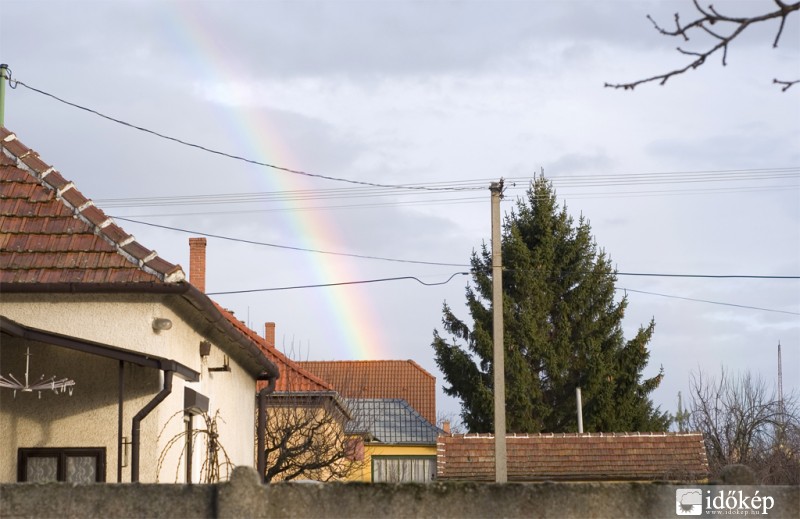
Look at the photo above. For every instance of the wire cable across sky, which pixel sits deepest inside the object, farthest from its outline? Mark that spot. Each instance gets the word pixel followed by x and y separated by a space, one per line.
pixel 13 83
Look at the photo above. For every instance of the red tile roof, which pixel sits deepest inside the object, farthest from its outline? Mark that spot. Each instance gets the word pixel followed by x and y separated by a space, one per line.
pixel 293 377
pixel 51 233
pixel 403 379
pixel 52 238
pixel 576 457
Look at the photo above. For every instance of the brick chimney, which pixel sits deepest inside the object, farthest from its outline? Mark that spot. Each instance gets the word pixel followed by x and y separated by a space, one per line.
pixel 446 427
pixel 269 334
pixel 197 263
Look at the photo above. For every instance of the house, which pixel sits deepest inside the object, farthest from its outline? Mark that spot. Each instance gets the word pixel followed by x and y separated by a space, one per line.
pixel 576 457
pixel 393 404
pixel 131 353
pixel 304 416
pixel 399 444
pixel 380 379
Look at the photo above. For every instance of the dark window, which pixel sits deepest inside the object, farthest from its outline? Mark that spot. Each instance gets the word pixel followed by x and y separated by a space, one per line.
pixel 420 469
pixel 79 465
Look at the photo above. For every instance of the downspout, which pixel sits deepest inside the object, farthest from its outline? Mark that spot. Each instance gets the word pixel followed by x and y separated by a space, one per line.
pixel 262 422
pixel 120 409
pixel 137 420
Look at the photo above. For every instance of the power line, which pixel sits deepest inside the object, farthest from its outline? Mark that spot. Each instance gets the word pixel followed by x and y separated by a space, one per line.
pixel 413 278
pixel 567 181
pixel 707 301
pixel 438 263
pixel 559 182
pixel 323 285
pixel 438 202
pixel 16 82
pixel 289 247
pixel 704 276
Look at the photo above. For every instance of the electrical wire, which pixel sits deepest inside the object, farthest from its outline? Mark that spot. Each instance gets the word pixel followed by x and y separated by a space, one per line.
pixel 584 181
pixel 513 184
pixel 233 156
pixel 436 263
pixel 594 181
pixel 289 247
pixel 707 301
pixel 343 283
pixel 402 278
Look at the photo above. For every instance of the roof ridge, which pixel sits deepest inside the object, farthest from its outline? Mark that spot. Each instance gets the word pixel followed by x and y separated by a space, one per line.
pixel 374 361
pixel 84 209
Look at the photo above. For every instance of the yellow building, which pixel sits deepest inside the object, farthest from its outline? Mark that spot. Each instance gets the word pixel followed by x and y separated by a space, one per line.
pixel 399 444
pixel 393 408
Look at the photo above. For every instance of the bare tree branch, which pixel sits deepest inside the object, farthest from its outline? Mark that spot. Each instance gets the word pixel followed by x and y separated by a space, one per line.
pixel 743 422
pixel 786 84
pixel 708 17
pixel 306 439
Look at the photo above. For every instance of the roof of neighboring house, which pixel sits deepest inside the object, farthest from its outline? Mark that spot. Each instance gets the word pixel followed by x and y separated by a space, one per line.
pixel 51 233
pixel 403 379
pixel 293 377
pixel 390 421
pixel 54 240
pixel 576 457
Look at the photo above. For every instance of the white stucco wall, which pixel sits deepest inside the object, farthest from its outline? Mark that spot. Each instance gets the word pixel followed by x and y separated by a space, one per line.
pixel 90 415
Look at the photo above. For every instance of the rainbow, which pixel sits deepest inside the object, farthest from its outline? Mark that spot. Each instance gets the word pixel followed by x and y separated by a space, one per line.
pixel 355 329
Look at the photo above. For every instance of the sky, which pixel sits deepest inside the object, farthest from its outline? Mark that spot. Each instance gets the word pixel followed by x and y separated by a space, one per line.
pixel 699 176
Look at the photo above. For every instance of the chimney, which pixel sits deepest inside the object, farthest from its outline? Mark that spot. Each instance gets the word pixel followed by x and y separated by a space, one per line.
pixel 446 427
pixel 197 263
pixel 269 334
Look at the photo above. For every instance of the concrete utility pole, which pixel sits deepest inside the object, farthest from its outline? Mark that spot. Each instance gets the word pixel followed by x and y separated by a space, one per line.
pixel 3 77
pixel 499 363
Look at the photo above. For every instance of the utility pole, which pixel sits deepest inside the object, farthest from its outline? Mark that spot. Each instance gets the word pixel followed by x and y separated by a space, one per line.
pixel 3 78
pixel 499 363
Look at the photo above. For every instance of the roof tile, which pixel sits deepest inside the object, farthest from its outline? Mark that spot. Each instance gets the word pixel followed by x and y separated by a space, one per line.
pixel 390 421
pixel 137 250
pixel 293 377
pixel 45 239
pixel 33 161
pixel 55 180
pixel 393 379
pixel 621 456
pixel 74 197
pixel 16 148
pixel 94 215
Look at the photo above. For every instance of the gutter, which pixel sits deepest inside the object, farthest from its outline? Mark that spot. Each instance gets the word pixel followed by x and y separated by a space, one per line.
pixel 261 431
pixel 183 289
pixel 137 420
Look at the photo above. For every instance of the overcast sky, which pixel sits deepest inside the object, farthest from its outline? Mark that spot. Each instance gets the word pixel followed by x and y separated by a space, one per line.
pixel 402 92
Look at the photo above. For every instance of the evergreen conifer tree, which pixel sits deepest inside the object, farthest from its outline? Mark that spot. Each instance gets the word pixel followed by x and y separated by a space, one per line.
pixel 563 329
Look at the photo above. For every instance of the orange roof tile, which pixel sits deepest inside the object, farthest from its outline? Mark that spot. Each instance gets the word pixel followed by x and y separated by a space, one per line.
pixel 404 379
pixel 51 233
pixel 293 377
pixel 576 457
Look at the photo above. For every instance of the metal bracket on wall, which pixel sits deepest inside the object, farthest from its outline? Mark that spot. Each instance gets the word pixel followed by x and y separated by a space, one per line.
pixel 225 366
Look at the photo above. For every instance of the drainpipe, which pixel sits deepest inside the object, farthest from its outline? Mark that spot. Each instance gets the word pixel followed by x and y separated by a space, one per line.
pixel 262 422
pixel 120 409
pixel 137 420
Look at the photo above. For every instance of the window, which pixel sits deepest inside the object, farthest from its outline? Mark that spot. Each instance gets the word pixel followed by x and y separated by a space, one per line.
pixel 393 469
pixel 80 465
